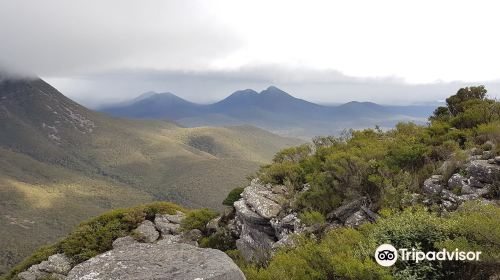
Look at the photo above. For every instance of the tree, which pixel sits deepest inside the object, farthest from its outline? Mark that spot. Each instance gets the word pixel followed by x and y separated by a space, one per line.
pixel 455 102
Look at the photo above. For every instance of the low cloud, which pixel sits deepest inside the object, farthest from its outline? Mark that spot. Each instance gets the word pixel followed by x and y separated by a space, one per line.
pixel 327 86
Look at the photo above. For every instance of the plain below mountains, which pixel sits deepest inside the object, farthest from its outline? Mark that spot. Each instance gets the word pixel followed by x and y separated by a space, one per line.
pixel 61 163
pixel 271 109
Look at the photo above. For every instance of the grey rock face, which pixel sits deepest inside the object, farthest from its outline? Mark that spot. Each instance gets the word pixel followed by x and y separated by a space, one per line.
pixel 262 200
pixel 347 210
pixel 158 261
pixel 253 244
pixel 166 226
pixel 33 273
pixel 58 263
pixel 57 266
pixel 483 171
pixel 123 241
pixel 356 219
pixel 456 181
pixel 247 215
pixel 148 231
pixel 176 219
pixel 433 185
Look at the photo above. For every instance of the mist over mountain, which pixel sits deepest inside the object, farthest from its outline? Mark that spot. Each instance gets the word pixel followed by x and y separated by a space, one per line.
pixel 272 109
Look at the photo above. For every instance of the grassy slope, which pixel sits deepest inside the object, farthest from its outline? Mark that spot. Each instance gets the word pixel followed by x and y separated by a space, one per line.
pixel 48 186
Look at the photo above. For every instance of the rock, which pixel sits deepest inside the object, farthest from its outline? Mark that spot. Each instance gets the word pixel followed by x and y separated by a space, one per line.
pixel 456 181
pixel 254 245
pixel 433 186
pixel 347 210
pixel 449 206
pixel 287 225
pixel 123 241
pixel 477 191
pixel 372 216
pixel 467 197
pixel 33 273
pixel 286 241
pixel 356 219
pixel 55 276
pixel 158 261
pixel 213 225
pixel 263 201
pixel 247 215
pixel 59 264
pixel 448 195
pixel 487 155
pixel 176 219
pixel 491 161
pixel 165 226
pixel 483 171
pixel 192 235
pixel 147 231
pixel 475 183
pixel 497 159
pixel 170 239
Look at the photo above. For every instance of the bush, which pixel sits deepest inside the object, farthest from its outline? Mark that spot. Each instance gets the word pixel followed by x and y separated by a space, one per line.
pixel 233 196
pixel 337 256
pixel 221 240
pixel 198 219
pixel 96 235
pixel 312 218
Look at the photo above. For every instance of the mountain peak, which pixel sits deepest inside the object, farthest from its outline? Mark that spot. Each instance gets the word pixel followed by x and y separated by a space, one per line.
pixel 272 90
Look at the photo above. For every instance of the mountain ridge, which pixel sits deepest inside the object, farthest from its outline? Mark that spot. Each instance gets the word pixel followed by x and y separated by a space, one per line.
pixel 61 163
pixel 276 110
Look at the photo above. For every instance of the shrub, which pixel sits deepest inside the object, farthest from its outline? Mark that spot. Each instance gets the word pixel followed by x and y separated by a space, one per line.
pixel 337 256
pixel 198 219
pixel 312 218
pixel 96 235
pixel 233 196
pixel 221 240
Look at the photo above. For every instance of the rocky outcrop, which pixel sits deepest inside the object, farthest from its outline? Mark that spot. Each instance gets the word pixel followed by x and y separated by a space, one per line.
pixel 158 261
pixel 147 231
pixel 56 267
pixel 158 251
pixel 267 223
pixel 477 182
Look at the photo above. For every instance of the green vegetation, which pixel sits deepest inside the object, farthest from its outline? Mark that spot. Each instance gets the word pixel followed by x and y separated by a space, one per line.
pixel 310 218
pixel 387 166
pixel 348 253
pixel 48 186
pixel 233 196
pixel 198 219
pixel 96 235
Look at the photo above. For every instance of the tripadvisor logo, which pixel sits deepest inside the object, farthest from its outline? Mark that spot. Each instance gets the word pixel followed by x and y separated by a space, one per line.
pixel 387 255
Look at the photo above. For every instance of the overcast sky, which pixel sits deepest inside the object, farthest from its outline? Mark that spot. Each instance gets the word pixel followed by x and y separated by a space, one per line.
pixel 399 52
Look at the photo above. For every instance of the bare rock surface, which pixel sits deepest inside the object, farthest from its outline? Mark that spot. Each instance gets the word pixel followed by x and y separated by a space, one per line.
pixel 158 261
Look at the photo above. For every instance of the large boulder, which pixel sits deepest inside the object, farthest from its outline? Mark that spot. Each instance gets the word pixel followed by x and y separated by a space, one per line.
pixel 56 267
pixel 347 210
pixel 483 171
pixel 433 185
pixel 262 200
pixel 158 261
pixel 147 231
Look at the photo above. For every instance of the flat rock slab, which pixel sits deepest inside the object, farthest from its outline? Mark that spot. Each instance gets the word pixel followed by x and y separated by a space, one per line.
pixel 159 262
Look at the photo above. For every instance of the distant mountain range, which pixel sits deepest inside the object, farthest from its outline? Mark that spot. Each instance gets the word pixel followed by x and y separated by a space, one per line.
pixel 61 163
pixel 271 109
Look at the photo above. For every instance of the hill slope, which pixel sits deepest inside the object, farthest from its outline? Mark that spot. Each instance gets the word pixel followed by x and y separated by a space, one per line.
pixel 274 110
pixel 61 163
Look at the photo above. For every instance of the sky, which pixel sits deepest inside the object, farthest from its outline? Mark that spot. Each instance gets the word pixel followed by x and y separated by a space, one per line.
pixel 391 52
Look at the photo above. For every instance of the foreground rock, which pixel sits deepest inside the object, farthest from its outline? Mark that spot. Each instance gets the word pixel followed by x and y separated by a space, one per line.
pixel 158 261
pixel 56 267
